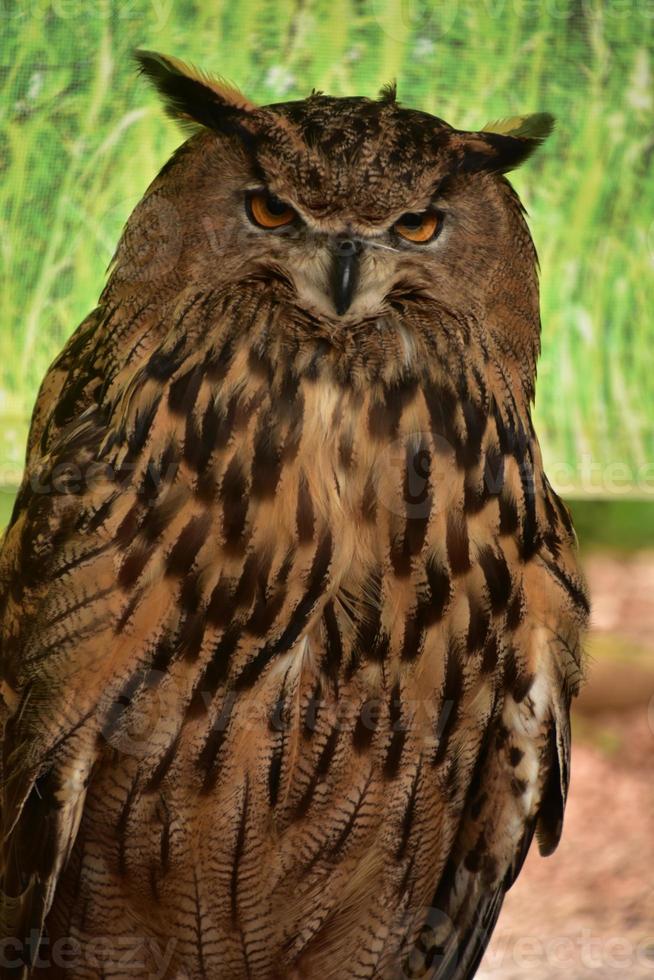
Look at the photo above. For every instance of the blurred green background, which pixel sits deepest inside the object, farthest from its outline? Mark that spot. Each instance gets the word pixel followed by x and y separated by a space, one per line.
pixel 81 136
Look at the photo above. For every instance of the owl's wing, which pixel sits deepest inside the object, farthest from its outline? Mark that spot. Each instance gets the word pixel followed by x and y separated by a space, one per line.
pixel 38 830
pixel 518 786
pixel 69 387
pixel 474 883
pixel 99 585
pixel 58 600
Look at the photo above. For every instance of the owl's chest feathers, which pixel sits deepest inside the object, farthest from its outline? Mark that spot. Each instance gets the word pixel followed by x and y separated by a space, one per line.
pixel 350 473
pixel 295 481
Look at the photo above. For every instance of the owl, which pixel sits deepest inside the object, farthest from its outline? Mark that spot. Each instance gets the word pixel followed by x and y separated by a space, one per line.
pixel 291 616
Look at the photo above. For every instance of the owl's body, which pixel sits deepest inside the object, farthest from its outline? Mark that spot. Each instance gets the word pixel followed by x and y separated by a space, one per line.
pixel 291 633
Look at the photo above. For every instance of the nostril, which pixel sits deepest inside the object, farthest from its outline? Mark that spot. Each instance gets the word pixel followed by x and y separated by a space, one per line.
pixel 346 247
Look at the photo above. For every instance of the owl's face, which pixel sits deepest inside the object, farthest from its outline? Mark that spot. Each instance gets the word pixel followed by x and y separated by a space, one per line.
pixel 349 204
pixel 350 260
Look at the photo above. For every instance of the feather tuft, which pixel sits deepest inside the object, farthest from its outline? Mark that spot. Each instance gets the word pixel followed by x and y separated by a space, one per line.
pixel 193 95
pixel 536 126
pixel 388 93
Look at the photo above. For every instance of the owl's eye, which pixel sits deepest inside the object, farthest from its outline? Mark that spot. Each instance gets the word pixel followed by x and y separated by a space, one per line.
pixel 419 228
pixel 268 211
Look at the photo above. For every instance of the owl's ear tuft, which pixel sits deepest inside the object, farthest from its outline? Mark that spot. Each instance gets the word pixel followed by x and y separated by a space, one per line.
pixel 195 97
pixel 537 126
pixel 503 145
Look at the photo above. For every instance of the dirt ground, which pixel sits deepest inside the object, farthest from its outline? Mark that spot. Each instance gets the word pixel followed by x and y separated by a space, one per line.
pixel 588 910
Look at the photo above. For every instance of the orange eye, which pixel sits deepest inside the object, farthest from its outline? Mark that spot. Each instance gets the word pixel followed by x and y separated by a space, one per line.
pixel 267 211
pixel 419 228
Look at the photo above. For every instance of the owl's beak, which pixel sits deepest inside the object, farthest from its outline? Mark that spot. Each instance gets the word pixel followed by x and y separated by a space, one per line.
pixel 344 273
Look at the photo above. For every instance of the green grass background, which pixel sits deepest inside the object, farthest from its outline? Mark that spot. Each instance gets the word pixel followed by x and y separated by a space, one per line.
pixel 81 136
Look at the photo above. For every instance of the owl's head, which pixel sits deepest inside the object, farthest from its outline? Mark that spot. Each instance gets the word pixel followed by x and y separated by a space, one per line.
pixel 352 202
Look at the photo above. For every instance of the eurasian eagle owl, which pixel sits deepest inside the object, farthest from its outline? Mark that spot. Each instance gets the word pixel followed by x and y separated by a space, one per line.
pixel 291 614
